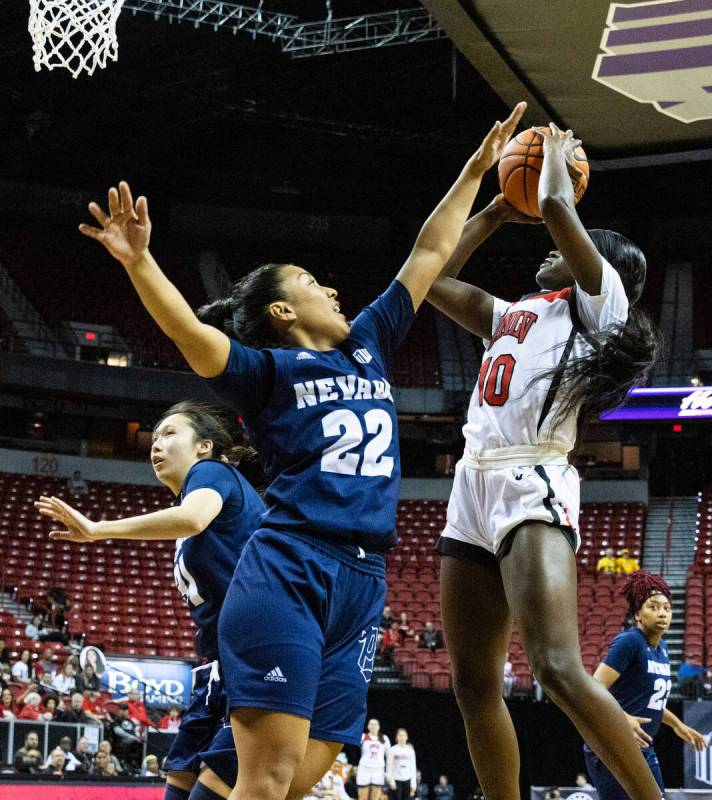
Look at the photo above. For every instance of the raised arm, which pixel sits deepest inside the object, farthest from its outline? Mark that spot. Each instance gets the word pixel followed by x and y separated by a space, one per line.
pixel 125 232
pixel 556 201
pixel 470 306
pixel 441 232
pixel 190 518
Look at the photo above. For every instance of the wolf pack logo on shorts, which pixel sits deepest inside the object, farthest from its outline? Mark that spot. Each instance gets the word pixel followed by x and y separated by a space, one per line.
pixel 660 52
pixel 362 356
pixel 368 642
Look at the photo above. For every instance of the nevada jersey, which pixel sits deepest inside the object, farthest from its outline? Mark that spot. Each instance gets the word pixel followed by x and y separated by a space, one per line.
pixel 529 338
pixel 203 564
pixel 325 426
pixel 644 684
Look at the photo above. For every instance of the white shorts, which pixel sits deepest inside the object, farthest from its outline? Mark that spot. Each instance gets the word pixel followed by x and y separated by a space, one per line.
pixel 488 504
pixel 370 776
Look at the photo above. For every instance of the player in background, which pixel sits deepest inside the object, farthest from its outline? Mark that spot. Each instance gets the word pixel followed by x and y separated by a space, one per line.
pixel 405 770
pixel 636 671
pixel 216 510
pixel 375 766
pixel 299 626
pixel 552 359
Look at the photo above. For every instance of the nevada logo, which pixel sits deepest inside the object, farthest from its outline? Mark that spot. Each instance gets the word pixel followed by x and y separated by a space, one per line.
pixel 660 52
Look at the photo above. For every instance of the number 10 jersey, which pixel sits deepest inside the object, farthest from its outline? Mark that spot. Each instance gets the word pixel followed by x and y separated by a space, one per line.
pixel 537 334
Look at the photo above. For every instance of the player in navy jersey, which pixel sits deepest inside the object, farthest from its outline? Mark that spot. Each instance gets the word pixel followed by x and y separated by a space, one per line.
pixel 636 670
pixel 216 511
pixel 552 359
pixel 299 627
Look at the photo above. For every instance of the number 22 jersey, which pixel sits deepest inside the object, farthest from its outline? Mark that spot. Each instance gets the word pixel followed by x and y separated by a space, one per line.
pixel 645 683
pixel 324 423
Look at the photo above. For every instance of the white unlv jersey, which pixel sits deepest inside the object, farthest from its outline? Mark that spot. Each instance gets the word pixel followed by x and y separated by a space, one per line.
pixel 530 337
pixel 373 751
pixel 404 768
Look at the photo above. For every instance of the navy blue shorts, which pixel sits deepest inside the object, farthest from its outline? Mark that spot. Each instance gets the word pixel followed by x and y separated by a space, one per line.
pixel 298 631
pixel 606 785
pixel 200 722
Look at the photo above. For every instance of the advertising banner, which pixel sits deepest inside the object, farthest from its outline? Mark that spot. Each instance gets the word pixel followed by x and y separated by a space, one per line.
pixel 165 681
pixel 698 766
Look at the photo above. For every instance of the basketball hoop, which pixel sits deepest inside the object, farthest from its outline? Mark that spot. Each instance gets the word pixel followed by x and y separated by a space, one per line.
pixel 78 35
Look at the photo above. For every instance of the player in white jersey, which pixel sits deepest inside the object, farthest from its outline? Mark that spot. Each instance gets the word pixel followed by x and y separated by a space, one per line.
pixel 375 767
pixel 551 359
pixel 404 768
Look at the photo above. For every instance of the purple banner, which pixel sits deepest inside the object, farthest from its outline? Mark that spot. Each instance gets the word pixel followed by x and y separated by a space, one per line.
pixel 683 402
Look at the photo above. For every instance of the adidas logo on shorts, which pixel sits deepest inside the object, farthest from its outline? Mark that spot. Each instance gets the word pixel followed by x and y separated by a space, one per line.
pixel 301 356
pixel 276 674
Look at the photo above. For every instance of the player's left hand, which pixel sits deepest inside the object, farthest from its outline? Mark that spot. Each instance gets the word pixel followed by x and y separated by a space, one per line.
pixel 79 529
pixel 488 153
pixel 694 738
pixel 508 213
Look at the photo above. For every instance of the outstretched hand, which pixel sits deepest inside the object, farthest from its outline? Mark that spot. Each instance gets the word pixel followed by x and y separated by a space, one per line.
pixel 126 230
pixel 493 144
pixel 78 528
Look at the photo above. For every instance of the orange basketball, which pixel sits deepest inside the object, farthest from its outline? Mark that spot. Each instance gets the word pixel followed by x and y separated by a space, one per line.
pixel 520 167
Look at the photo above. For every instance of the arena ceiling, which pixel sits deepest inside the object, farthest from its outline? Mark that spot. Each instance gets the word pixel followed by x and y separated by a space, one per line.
pixel 631 78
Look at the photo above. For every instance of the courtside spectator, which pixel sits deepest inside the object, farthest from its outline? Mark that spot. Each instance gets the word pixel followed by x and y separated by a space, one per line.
pixel 52 705
pixel 422 791
pixel 171 721
pixel 34 628
pixel 94 706
pixel 404 626
pixel 443 790
pixel 28 758
pixel 71 762
pixel 44 684
pixel 21 668
pixel 82 756
pixel 31 708
pixel 57 762
pixel 76 485
pixel 510 678
pixel 137 709
pixel 391 639
pixel 102 766
pixel 75 713
pixel 150 768
pixel 44 663
pixel 607 565
pixel 127 735
pixel 430 637
pixel 582 782
pixel 87 679
pixel 386 618
pixel 105 747
pixel 57 605
pixel 625 563
pixel 691 679
pixel 4 652
pixel 65 682
pixel 8 707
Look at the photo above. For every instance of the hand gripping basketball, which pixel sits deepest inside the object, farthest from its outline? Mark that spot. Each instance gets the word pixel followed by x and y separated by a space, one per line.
pixel 521 162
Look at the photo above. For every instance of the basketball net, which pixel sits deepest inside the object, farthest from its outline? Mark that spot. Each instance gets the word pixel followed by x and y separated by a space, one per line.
pixel 78 35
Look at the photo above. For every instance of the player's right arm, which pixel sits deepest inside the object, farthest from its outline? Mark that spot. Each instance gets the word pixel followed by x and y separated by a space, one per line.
pixel 468 305
pixel 125 232
pixel 608 676
pixel 191 517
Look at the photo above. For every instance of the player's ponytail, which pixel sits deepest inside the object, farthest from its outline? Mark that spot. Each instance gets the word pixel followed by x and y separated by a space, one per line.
pixel 622 355
pixel 245 313
pixel 210 422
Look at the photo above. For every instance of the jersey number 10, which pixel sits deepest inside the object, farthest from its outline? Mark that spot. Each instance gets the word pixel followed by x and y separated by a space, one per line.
pixel 494 379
